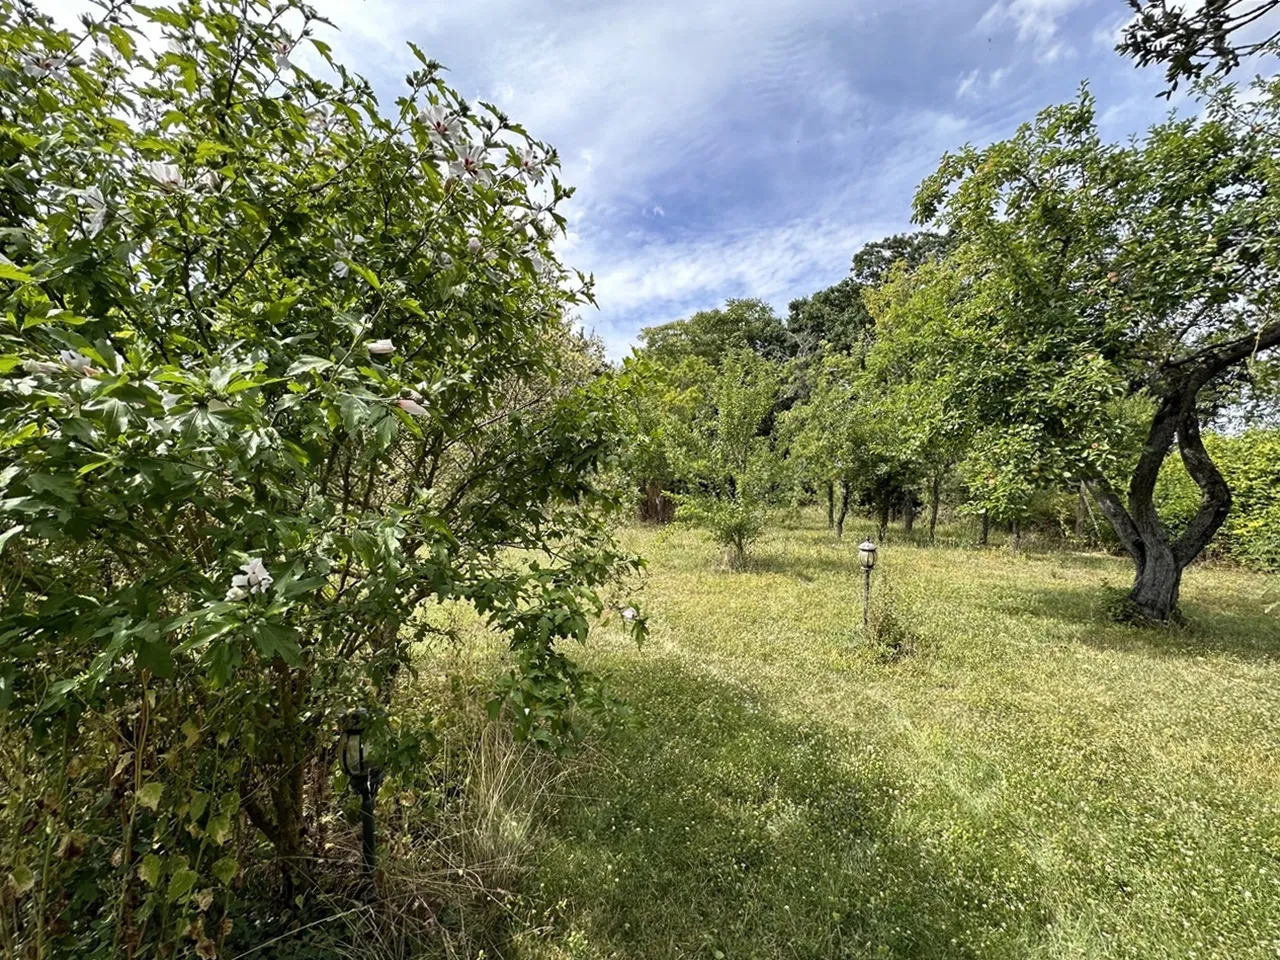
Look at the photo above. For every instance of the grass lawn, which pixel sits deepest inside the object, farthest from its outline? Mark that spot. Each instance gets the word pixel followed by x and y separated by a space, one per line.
pixel 1030 780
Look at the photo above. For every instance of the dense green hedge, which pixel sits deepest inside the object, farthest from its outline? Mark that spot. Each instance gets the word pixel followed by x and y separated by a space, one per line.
pixel 1250 462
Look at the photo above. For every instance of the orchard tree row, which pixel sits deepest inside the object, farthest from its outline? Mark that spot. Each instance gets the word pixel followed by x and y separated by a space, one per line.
pixel 1081 326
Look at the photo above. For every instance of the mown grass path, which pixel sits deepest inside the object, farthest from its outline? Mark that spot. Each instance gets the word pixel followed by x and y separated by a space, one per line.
pixel 1030 781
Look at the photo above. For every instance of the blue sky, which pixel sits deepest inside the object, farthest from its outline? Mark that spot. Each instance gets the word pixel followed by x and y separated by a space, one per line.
pixel 746 148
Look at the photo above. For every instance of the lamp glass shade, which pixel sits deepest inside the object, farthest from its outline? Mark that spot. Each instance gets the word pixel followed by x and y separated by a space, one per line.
pixel 353 754
pixel 867 554
pixel 351 746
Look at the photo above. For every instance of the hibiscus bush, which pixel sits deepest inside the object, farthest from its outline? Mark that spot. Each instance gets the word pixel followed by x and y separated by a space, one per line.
pixel 277 367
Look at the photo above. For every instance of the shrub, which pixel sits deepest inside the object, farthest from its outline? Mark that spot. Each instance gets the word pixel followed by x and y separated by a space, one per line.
pixel 274 370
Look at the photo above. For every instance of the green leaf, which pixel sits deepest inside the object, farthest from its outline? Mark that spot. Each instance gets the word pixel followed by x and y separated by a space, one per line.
pixel 11 271
pixel 370 277
pixel 149 795
pixel 149 869
pixel 220 829
pixel 276 640
pixel 22 878
pixel 155 655
pixel 225 869
pixel 181 883
pixel 307 364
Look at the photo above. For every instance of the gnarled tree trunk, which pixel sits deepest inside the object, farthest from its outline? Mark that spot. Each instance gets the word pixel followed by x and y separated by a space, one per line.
pixel 831 505
pixel 910 507
pixel 1158 562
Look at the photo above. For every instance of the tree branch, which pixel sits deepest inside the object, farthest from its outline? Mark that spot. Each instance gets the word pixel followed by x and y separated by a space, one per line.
pixel 1215 502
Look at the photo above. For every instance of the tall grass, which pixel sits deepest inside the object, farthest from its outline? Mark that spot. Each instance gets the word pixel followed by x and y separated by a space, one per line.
pixel 997 770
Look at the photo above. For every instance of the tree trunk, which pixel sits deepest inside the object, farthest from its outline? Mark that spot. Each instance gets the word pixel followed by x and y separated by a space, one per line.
pixel 831 505
pixel 1081 506
pixel 1155 585
pixel 909 510
pixel 1158 564
pixel 986 528
pixel 1016 529
pixel 844 508
pixel 883 510
pixel 656 507
pixel 935 497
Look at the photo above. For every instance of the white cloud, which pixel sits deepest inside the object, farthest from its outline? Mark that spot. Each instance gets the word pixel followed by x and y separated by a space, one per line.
pixel 1037 24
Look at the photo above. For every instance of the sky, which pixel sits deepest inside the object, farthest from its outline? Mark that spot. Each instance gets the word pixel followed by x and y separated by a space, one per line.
pixel 747 148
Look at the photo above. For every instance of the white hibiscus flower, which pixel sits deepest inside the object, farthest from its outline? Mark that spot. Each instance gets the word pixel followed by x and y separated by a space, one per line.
pixel 530 165
pixel 254 578
pixel 96 207
pixel 470 164
pixel 444 128
pixel 39 66
pixel 167 176
pixel 412 407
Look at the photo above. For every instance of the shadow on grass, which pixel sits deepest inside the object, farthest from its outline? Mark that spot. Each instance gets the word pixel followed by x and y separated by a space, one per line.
pixel 1243 630
pixel 718 828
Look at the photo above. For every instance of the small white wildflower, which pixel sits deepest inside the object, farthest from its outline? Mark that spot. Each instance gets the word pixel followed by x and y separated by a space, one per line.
pixel 629 614
pixel 442 126
pixel 37 66
pixel 236 593
pixel 470 163
pixel 282 51
pixel 412 407
pixel 340 269
pixel 96 205
pixel 167 176
pixel 380 348
pixel 473 245
pixel 254 578
pixel 42 366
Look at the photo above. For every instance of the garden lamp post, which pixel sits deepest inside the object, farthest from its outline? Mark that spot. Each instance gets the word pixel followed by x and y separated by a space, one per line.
pixel 364 779
pixel 866 557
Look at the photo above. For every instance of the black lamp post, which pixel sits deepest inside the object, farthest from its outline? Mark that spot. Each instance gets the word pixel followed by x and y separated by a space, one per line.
pixel 866 557
pixel 364 779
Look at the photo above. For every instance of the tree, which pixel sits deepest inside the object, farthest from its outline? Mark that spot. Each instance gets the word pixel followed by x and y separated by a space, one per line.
pixel 1100 286
pixel 834 316
pixel 728 463
pixel 872 264
pixel 1191 39
pixel 275 369
pixel 714 334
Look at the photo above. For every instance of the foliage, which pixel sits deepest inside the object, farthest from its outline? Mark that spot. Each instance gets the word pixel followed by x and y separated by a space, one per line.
pixel 713 335
pixel 834 316
pixel 277 369
pixel 1251 464
pixel 1190 39
pixel 873 263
